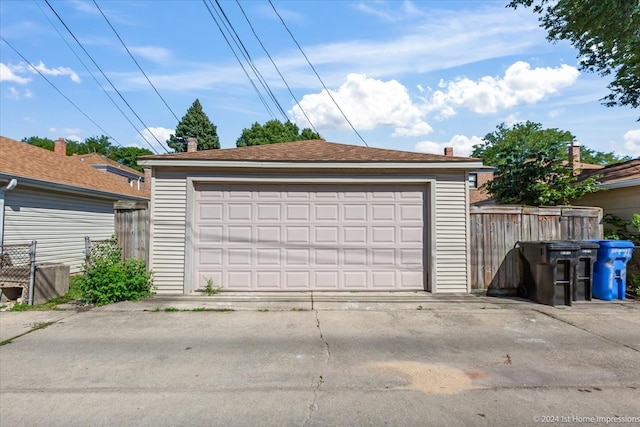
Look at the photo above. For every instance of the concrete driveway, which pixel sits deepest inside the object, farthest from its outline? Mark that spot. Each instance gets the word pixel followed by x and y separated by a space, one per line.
pixel 461 363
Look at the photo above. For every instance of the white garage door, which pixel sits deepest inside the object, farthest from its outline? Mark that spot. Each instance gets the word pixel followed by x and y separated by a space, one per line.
pixel 309 237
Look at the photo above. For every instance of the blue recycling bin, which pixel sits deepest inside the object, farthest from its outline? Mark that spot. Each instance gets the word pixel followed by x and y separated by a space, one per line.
pixel 610 269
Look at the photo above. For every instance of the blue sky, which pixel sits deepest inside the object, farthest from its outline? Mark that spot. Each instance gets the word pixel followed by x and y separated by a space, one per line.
pixel 409 75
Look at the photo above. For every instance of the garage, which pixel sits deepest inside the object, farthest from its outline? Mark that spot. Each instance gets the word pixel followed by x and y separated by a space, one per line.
pixel 309 216
pixel 291 237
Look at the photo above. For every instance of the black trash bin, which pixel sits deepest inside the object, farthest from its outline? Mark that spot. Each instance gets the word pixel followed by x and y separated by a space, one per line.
pixel 549 271
pixel 583 284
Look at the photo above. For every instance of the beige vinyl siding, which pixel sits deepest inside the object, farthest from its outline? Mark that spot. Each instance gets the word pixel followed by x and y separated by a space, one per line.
pixel 168 219
pixel 451 209
pixel 622 202
pixel 58 222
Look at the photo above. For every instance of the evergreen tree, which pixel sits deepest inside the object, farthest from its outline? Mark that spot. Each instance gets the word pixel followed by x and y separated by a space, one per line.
pixel 194 124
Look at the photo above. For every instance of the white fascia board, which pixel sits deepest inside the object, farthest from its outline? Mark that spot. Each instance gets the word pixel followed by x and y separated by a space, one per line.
pixel 311 165
pixel 67 188
pixel 621 184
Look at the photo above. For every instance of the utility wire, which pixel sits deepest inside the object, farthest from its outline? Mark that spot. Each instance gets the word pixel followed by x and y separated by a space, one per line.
pixel 134 60
pixel 264 102
pixel 95 79
pixel 58 90
pixel 108 80
pixel 276 67
pixel 247 57
pixel 316 73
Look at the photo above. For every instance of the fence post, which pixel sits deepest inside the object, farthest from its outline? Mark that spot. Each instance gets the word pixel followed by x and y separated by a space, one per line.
pixel 32 273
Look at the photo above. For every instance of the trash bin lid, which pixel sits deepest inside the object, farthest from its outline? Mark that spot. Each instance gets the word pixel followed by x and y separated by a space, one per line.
pixel 615 243
pixel 588 244
pixel 553 245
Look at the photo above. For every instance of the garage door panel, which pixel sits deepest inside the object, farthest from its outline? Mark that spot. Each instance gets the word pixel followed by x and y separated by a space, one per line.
pixel 326 279
pixel 268 234
pixel 268 279
pixel 268 256
pixel 297 257
pixel 210 211
pixel 334 237
pixel 299 280
pixel 356 279
pixel 239 234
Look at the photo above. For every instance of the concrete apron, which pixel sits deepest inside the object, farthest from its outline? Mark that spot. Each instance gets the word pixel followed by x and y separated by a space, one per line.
pixel 313 300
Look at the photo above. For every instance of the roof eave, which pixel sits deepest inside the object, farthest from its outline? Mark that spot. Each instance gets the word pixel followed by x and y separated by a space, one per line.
pixel 465 165
pixel 68 188
pixel 621 184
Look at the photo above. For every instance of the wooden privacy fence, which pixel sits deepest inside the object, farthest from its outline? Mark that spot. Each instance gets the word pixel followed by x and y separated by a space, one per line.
pixel 495 230
pixel 132 229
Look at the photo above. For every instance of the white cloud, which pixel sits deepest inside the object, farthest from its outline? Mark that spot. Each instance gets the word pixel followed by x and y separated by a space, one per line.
pixel 368 103
pixel 555 113
pixel 162 134
pixel 152 53
pixel 58 71
pixel 462 145
pixel 520 84
pixel 512 119
pixel 8 74
pixel 632 142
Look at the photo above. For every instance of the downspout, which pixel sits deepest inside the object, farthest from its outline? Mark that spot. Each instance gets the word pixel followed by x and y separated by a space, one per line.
pixel 10 186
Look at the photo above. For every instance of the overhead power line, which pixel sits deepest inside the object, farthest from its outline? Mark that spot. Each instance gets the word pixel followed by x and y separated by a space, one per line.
pixel 249 60
pixel 316 73
pixel 264 102
pixel 134 60
pixel 276 67
pixel 58 90
pixel 96 80
pixel 108 80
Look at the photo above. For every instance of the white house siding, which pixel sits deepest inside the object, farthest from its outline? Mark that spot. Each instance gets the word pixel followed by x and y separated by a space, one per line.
pixel 58 222
pixel 168 222
pixel 452 218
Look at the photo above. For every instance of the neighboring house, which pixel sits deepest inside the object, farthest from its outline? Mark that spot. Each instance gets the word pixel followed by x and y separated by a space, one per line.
pixel 58 201
pixel 620 194
pixel 130 176
pixel 309 215
pixel 480 177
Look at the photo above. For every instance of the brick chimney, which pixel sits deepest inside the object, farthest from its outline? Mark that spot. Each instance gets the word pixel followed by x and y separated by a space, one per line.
pixel 448 151
pixel 147 179
pixel 60 147
pixel 574 157
pixel 192 145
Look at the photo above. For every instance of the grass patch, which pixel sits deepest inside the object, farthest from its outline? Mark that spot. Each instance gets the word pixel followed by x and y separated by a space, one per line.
pixel 74 294
pixel 36 326
pixel 175 310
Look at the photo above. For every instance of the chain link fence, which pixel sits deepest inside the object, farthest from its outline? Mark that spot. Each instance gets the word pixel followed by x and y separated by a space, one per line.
pixel 17 269
pixel 92 249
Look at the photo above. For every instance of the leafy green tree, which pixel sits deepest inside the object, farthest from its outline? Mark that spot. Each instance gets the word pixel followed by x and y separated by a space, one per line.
pixel 529 166
pixel 45 143
pixel 95 144
pixel 272 132
pixel 194 124
pixel 606 34
pixel 594 157
pixel 128 156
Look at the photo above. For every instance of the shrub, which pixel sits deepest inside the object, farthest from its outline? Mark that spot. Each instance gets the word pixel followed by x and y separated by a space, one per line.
pixel 108 279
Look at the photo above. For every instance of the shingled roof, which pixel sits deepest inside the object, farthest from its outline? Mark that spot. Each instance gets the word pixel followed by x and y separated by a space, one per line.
pixel 619 172
pixel 99 159
pixel 316 150
pixel 22 160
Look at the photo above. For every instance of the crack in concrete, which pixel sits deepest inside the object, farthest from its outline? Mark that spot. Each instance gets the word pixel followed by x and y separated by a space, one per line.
pixel 586 330
pixel 314 406
pixel 326 344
